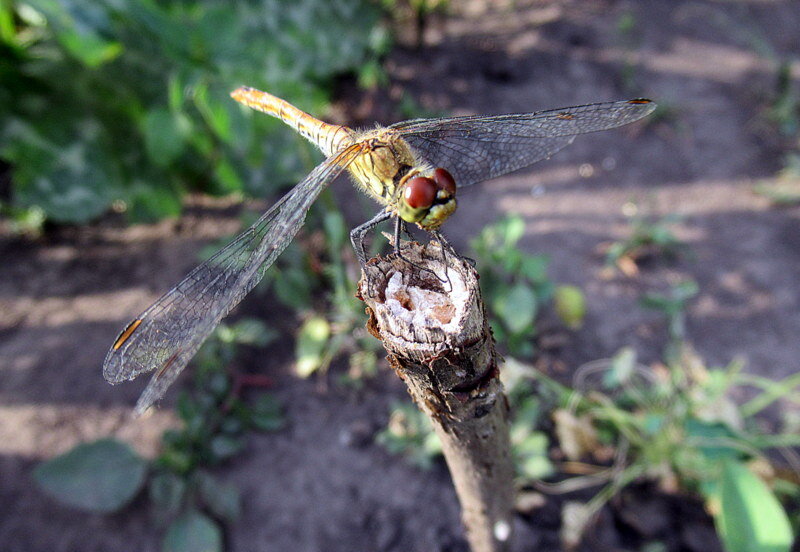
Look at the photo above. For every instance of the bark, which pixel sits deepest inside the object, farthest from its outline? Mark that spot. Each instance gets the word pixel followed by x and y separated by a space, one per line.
pixel 438 341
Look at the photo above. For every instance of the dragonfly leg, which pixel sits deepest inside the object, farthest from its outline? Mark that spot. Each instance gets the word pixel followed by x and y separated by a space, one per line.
pixel 357 235
pixel 447 246
pixel 400 227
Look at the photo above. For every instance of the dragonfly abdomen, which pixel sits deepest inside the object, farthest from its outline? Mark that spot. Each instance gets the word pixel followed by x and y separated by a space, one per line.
pixel 328 138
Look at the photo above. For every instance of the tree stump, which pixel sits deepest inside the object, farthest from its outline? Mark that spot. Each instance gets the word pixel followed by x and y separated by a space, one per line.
pixel 426 309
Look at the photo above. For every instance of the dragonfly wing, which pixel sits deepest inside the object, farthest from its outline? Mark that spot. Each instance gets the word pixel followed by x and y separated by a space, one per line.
pixel 168 334
pixel 476 148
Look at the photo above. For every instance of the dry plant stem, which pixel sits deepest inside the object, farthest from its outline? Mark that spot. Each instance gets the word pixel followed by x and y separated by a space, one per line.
pixel 439 343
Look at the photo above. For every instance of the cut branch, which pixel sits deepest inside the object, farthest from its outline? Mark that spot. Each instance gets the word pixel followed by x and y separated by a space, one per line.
pixel 426 309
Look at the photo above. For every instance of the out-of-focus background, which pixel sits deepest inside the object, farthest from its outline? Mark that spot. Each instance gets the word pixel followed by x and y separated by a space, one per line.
pixel 123 162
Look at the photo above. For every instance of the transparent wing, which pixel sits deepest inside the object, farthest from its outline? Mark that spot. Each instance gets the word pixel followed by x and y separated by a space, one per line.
pixel 168 334
pixel 477 148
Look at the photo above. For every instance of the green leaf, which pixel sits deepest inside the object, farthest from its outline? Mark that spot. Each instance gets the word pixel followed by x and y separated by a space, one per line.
pixel 750 518
pixel 517 307
pixel 570 306
pixel 534 268
pixel 621 369
pixel 254 332
pixel 71 180
pixel 293 288
pixel 193 532
pixel 227 177
pixel 162 136
pixel 335 229
pixel 192 413
pixel 150 202
pixel 102 476
pixel 266 414
pixel 222 500
pixel 216 109
pixel 711 439
pixel 225 446
pixel 167 491
pixel 89 48
pixel 513 229
pixel 314 335
pixel 80 27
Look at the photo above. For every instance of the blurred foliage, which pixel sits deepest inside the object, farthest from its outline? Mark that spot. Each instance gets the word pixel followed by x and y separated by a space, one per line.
pixel 784 109
pixel 125 102
pixel 416 13
pixel 516 287
pixel 678 425
pixel 102 476
pixel 673 306
pixel 317 279
pixel 650 238
pixel 783 112
pixel 105 476
pixel 410 433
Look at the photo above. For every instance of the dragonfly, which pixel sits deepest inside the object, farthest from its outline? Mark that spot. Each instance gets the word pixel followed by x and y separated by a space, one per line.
pixel 412 168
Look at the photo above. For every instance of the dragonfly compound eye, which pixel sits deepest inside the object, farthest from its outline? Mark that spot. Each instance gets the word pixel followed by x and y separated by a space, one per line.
pixel 445 181
pixel 420 192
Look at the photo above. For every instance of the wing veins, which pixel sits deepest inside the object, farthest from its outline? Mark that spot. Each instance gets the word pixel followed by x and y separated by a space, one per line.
pixel 175 326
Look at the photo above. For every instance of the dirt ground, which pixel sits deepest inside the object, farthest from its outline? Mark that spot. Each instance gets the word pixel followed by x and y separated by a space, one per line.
pixel 319 485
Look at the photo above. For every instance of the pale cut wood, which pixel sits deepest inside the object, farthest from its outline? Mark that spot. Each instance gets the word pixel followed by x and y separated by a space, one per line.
pixel 426 309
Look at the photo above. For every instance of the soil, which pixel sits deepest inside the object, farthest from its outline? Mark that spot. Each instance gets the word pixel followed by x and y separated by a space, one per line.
pixel 322 484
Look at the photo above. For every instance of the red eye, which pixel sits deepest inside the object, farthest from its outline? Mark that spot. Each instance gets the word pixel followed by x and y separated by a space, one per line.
pixel 420 192
pixel 444 180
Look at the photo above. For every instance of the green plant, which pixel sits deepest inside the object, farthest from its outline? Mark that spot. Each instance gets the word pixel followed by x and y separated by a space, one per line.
pixel 515 286
pixel 127 102
pixel 673 306
pixel 649 238
pixel 678 425
pixel 785 188
pixel 106 475
pixel 417 12
pixel 410 433
pixel 784 110
pixel 681 428
pixel 320 286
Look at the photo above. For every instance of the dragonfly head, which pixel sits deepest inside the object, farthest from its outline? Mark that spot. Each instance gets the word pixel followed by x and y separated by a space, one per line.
pixel 428 200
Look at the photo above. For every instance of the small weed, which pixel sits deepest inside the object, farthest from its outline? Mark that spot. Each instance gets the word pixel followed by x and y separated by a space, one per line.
pixel 629 38
pixel 315 277
pixel 516 287
pixel 784 113
pixel 414 12
pixel 678 425
pixel 23 220
pixel 106 475
pixel 673 307
pixel 650 238
pixel 410 433
pixel 784 110
pixel 785 189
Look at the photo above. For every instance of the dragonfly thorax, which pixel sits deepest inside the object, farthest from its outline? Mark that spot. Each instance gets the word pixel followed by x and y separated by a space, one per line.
pixel 388 170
